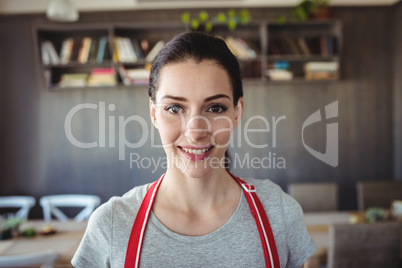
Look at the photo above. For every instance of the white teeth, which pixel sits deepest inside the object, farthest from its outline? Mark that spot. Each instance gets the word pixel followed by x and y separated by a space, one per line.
pixel 193 151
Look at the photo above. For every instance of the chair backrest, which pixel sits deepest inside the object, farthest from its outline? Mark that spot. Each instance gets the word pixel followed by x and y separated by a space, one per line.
pixel 51 203
pixel 25 203
pixel 45 259
pixel 315 196
pixel 368 245
pixel 378 193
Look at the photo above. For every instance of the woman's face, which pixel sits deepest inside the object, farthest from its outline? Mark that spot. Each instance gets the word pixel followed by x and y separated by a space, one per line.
pixel 195 115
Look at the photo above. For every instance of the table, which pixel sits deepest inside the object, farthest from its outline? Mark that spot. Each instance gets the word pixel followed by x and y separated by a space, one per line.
pixel 318 224
pixel 65 241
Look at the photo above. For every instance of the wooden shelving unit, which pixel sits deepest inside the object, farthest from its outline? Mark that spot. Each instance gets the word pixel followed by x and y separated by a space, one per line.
pixel 257 35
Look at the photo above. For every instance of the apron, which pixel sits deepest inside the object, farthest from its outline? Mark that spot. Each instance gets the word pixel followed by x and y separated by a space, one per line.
pixel 257 210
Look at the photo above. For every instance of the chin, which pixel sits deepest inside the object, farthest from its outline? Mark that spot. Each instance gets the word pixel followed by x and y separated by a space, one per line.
pixel 201 169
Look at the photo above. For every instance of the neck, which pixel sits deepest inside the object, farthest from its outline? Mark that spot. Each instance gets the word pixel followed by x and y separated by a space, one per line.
pixel 196 194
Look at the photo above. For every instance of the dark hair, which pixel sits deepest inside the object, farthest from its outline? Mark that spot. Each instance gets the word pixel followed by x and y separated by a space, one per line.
pixel 197 46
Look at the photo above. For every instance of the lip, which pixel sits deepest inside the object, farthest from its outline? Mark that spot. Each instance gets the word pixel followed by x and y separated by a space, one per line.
pixel 197 147
pixel 198 156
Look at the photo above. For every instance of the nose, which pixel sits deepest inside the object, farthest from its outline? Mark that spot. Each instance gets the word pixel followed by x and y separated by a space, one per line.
pixel 197 128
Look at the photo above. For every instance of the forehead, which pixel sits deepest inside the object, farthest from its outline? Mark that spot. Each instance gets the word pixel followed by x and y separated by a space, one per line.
pixel 192 79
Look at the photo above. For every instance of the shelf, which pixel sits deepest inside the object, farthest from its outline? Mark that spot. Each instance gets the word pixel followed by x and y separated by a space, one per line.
pixel 301 80
pixel 117 87
pixel 257 35
pixel 79 65
pixel 303 58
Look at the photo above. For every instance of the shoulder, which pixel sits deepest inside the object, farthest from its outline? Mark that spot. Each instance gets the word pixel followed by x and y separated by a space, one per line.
pixel 128 204
pixel 276 202
pixel 272 194
pixel 287 222
pixel 96 245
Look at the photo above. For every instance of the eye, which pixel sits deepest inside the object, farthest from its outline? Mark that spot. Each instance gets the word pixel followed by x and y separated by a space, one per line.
pixel 174 109
pixel 217 108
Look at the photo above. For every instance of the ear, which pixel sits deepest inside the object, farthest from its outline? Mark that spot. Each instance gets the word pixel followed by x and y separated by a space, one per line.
pixel 239 111
pixel 152 112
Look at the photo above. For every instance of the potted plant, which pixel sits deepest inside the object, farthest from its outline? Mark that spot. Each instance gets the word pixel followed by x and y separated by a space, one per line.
pixel 320 10
pixel 308 9
pixel 10 226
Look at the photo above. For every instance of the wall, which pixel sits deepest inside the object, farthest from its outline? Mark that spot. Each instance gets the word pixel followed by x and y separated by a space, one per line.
pixel 38 159
pixel 397 94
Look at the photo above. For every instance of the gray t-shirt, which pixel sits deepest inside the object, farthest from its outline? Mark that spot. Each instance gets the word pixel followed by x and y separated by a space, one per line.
pixel 235 244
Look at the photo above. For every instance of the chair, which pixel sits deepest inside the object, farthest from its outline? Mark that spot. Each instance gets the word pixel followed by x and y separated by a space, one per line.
pixel 378 193
pixel 315 196
pixel 368 245
pixel 51 203
pixel 25 203
pixel 45 259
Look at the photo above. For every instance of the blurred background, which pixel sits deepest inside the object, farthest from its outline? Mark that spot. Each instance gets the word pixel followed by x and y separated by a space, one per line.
pixel 38 159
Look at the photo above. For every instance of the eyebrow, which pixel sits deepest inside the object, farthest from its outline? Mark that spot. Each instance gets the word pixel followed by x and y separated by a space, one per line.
pixel 217 96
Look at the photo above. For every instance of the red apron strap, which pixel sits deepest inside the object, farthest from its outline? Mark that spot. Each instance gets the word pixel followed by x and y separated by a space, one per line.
pixel 257 210
pixel 261 219
pixel 140 223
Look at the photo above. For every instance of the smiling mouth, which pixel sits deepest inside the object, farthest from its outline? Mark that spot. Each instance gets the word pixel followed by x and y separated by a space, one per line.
pixel 196 151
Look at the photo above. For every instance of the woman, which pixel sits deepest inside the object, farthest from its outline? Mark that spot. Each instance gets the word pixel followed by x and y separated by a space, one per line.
pixel 197 214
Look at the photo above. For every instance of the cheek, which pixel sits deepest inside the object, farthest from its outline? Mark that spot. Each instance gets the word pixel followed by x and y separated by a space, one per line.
pixel 221 131
pixel 169 129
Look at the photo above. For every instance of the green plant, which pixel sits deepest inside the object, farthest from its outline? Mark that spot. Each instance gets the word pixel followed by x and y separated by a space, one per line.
pixel 206 23
pixel 375 214
pixel 11 223
pixel 303 10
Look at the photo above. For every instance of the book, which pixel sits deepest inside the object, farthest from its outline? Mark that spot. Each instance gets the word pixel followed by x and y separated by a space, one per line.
pixel 100 55
pixel 102 77
pixel 66 49
pixel 45 54
pixel 321 66
pixel 123 75
pixel 290 43
pixel 138 76
pixel 52 56
pixel 132 56
pixel 236 48
pixel 303 46
pixel 137 48
pixel 248 51
pixel 108 50
pixel 76 49
pixel 154 51
pixel 93 51
pixel 84 50
pixel 321 70
pixel 322 75
pixel 279 74
pixel 274 49
pixel 323 46
pixel 73 80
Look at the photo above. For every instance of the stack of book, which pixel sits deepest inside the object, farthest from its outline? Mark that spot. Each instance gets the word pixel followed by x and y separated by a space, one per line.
pixel 240 48
pixel 301 46
pixel 137 76
pixel 102 77
pixel 321 70
pixel 49 54
pixel 73 80
pixel 87 49
pixel 279 71
pixel 279 74
pixel 126 50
